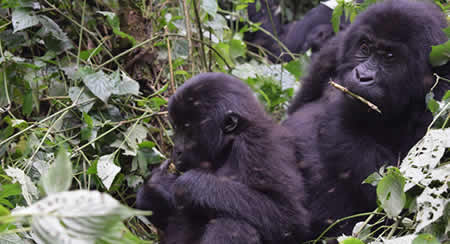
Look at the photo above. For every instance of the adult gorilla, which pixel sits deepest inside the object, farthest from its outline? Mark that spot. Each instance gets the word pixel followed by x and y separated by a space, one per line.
pixel 241 183
pixel 383 57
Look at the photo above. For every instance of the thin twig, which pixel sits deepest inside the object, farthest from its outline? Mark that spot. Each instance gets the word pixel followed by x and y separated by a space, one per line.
pixel 363 100
pixel 187 19
pixel 169 53
pixel 200 32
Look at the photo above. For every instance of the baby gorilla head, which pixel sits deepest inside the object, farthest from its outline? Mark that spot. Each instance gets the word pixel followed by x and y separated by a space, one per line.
pixel 208 112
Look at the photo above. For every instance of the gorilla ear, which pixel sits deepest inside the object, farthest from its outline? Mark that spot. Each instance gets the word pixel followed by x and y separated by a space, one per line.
pixel 233 123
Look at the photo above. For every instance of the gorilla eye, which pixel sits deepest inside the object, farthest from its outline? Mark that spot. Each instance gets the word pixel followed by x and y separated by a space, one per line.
pixel 389 56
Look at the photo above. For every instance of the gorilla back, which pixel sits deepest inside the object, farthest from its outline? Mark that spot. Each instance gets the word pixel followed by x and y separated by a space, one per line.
pixel 383 57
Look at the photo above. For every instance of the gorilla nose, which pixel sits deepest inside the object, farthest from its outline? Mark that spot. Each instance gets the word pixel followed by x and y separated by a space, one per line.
pixel 364 76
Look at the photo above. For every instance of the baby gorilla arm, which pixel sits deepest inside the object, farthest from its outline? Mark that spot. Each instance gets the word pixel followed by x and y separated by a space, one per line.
pixel 223 197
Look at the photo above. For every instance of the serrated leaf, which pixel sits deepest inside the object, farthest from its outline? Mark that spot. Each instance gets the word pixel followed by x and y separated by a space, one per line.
pixel 75 217
pixel 51 28
pixel 59 175
pixel 22 19
pixel 390 192
pixel 29 190
pixel 78 96
pixel 100 85
pixel 107 170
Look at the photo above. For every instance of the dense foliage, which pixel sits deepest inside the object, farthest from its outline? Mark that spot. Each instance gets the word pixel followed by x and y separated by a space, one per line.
pixel 83 94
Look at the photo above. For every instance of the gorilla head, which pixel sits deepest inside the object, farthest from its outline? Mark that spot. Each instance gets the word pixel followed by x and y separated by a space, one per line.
pixel 208 116
pixel 385 52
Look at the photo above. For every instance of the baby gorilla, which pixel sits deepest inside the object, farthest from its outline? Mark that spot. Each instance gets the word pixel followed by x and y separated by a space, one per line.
pixel 240 182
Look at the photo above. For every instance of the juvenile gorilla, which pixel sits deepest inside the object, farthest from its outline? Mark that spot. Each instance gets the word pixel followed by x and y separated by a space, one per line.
pixel 241 183
pixel 383 57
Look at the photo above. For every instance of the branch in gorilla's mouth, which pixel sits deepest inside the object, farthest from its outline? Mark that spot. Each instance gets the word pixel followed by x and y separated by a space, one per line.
pixel 361 99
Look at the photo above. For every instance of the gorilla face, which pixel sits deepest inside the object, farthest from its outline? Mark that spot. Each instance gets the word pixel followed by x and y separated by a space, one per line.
pixel 384 54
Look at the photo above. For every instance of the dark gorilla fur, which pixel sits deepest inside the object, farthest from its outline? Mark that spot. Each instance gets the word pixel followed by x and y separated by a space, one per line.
pixel 241 183
pixel 383 57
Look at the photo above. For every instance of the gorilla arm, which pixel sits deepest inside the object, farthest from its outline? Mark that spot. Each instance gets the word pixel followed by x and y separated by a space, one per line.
pixel 221 196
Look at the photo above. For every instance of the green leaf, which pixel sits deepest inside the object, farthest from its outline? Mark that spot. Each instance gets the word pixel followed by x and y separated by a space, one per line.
pixel 22 19
pixel 27 103
pixel 75 216
pixel 59 175
pixel 3 211
pixel 390 192
pixel 107 170
pixel 294 67
pixel 86 54
pixel 114 22
pixel 425 239
pixel 209 6
pixel 336 16
pixel 351 240
pixel 100 85
pixel 56 39
pixel 29 190
pixel 126 85
pixel 78 96
pixel 440 54
pixel 373 179
pixel 9 190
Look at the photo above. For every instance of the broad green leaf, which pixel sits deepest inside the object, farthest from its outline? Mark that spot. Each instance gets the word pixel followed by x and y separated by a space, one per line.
pixel 373 179
pixel 440 54
pixel 29 190
pixel 9 190
pixel 294 67
pixel 59 175
pixel 75 216
pixel 351 240
pixel 425 239
pixel 390 192
pixel 209 6
pixel 77 96
pixel 23 19
pixel 100 85
pixel 133 136
pixel 107 170
pixel 126 85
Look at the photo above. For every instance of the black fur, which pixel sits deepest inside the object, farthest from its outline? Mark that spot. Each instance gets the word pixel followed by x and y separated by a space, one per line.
pixel 240 184
pixel 344 136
